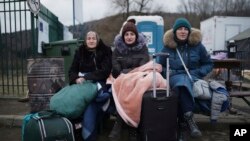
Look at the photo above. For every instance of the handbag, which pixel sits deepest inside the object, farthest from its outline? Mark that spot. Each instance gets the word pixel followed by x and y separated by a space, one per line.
pixel 201 89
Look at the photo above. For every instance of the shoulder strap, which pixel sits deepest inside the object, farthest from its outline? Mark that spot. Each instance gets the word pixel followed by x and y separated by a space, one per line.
pixel 184 64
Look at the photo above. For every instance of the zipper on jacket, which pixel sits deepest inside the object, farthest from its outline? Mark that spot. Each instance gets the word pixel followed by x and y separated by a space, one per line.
pixel 182 53
pixel 95 61
pixel 187 50
pixel 185 54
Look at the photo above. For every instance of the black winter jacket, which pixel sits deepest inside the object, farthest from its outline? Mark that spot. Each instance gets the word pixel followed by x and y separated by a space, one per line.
pixel 126 58
pixel 96 64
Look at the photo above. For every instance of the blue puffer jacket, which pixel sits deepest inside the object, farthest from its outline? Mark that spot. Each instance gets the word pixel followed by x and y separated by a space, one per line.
pixel 194 55
pixel 199 63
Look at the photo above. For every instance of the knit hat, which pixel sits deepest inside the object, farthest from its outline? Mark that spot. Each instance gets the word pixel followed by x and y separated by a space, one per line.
pixel 181 22
pixel 132 21
pixel 129 26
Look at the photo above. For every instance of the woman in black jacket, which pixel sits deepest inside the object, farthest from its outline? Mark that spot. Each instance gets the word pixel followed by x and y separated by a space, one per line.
pixel 92 61
pixel 130 51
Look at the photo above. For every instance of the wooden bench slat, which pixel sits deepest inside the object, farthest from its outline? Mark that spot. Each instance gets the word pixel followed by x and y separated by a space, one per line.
pixel 239 93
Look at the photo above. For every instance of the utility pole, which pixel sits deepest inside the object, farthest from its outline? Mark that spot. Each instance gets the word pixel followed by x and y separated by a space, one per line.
pixel 74 24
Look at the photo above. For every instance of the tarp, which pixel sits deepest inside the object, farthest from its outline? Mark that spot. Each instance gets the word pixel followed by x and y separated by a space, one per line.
pixel 243 35
pixel 242 40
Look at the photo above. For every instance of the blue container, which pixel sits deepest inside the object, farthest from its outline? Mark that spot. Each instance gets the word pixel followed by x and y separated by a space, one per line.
pixel 152 27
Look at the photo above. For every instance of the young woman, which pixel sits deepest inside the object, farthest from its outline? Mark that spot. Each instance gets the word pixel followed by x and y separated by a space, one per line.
pixel 130 52
pixel 188 41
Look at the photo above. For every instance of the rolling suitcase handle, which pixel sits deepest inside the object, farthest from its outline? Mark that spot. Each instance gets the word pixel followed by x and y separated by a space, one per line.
pixel 154 72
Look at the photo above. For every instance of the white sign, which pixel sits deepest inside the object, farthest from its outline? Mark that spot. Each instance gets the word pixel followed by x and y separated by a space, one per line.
pixel 149 36
pixel 151 50
pixel 43 33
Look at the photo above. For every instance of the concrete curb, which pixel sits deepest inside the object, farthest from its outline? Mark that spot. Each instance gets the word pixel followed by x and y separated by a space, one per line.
pixel 11 120
pixel 16 120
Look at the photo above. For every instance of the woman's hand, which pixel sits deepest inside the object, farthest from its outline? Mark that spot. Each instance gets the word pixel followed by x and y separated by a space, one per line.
pixel 80 80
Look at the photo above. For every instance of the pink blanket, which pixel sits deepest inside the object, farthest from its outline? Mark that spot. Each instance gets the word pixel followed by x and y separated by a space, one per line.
pixel 129 88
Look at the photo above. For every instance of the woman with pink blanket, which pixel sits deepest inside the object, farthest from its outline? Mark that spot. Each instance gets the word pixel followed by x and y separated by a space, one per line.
pixel 130 52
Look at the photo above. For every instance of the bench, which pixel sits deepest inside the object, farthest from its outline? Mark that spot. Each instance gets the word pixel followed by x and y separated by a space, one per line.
pixel 241 85
pixel 241 94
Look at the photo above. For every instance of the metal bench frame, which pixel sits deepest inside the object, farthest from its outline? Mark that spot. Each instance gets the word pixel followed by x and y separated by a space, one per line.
pixel 241 94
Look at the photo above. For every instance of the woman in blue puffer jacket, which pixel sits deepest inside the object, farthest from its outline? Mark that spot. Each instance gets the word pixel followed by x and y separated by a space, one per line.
pixel 188 41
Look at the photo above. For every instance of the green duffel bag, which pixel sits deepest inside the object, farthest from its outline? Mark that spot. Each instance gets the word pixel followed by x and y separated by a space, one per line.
pixel 47 126
pixel 72 100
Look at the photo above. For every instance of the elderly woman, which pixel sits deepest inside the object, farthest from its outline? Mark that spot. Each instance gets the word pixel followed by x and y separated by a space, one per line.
pixel 92 61
pixel 188 41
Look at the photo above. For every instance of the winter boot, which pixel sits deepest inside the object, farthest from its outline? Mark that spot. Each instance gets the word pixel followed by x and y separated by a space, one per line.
pixel 194 130
pixel 115 134
pixel 182 127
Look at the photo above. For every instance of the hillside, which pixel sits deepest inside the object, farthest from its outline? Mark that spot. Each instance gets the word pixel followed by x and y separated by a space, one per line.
pixel 109 27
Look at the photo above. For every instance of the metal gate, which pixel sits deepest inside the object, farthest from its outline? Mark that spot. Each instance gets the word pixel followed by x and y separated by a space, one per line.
pixel 18 42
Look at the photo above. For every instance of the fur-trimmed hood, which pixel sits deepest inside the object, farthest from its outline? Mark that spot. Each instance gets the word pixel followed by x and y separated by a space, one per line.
pixel 193 39
pixel 123 48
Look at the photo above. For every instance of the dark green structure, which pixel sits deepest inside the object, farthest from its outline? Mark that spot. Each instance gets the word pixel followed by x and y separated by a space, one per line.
pixel 65 49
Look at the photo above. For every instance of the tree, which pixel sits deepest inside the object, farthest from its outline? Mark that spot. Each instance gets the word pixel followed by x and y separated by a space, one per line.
pixel 143 4
pixel 122 5
pixel 208 8
pixel 132 5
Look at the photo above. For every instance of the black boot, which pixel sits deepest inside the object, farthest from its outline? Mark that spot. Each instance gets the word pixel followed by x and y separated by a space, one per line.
pixel 132 133
pixel 115 133
pixel 182 126
pixel 195 132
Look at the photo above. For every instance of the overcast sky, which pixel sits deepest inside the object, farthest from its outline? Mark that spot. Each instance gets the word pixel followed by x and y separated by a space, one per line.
pixel 93 9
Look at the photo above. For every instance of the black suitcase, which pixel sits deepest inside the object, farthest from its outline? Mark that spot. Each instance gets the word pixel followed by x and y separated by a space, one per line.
pixel 159 112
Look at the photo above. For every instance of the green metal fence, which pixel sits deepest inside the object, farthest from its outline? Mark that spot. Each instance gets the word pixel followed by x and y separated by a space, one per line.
pixel 18 42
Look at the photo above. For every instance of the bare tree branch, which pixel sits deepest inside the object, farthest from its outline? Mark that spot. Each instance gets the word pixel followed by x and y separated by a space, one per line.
pixel 142 4
pixel 123 5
